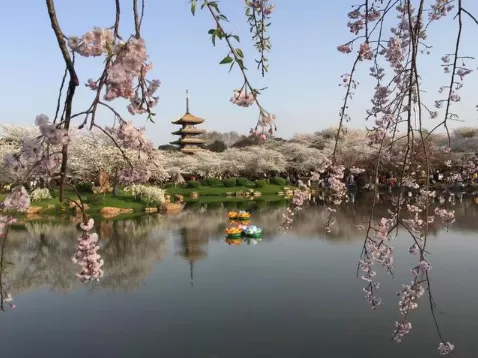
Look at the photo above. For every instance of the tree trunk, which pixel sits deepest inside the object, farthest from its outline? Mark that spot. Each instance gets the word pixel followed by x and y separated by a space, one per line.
pixel 69 94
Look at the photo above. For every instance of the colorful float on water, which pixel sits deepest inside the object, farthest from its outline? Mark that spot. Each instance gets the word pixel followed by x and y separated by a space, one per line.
pixel 253 231
pixel 240 230
pixel 234 233
pixel 239 215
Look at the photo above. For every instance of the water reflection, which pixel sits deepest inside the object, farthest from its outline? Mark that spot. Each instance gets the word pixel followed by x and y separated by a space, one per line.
pixel 191 247
pixel 42 251
pixel 294 295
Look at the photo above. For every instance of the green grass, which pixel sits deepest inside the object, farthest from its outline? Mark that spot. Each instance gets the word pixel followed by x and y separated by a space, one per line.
pixel 122 200
pixel 269 189
pixel 207 195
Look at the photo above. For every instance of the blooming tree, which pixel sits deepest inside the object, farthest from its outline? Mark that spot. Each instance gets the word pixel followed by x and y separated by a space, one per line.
pixel 391 39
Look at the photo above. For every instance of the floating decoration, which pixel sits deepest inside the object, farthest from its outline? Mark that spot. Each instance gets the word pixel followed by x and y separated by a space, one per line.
pixel 233 241
pixel 243 215
pixel 234 233
pixel 232 215
pixel 253 232
pixel 243 226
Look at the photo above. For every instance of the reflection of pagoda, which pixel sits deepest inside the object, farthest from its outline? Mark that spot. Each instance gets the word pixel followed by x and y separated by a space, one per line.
pixel 191 248
pixel 189 143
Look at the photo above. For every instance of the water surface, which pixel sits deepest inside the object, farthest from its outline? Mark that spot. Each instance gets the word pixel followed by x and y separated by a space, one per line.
pixel 173 288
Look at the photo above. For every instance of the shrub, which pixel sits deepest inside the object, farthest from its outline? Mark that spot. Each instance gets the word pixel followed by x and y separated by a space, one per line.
pixel 229 182
pixel 213 181
pixel 169 185
pixel 278 181
pixel 261 183
pixel 40 194
pixel 150 194
pixel 203 182
pixel 242 181
pixel 194 184
pixel 84 187
pixel 95 199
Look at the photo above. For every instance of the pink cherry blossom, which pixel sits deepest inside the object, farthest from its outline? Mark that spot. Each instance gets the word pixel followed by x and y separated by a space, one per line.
pixel 87 256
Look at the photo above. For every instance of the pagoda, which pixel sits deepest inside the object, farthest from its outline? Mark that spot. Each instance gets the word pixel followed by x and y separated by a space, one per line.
pixel 188 142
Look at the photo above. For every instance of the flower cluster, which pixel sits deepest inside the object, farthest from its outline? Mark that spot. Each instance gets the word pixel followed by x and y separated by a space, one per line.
pixel 37 154
pixel 151 194
pixel 128 136
pixel 267 120
pixel 126 68
pixel 51 132
pixel 94 43
pixel 243 99
pixel 130 176
pixel 409 296
pixel 261 6
pixel 401 329
pixel 440 9
pixel 447 216
pixel 445 348
pixel 87 256
pixel 17 200
pixel 376 250
pixel 301 196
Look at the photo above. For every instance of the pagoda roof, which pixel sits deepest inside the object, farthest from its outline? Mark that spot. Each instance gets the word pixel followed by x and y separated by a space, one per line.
pixel 191 150
pixel 189 131
pixel 188 118
pixel 189 141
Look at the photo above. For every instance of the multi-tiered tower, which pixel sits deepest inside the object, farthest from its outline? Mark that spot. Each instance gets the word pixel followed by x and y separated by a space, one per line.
pixel 188 141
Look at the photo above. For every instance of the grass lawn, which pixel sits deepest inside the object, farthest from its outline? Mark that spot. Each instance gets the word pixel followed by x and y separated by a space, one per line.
pixel 207 195
pixel 269 189
pixel 123 200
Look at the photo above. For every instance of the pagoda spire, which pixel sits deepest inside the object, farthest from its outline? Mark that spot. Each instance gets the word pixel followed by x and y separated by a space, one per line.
pixel 187 102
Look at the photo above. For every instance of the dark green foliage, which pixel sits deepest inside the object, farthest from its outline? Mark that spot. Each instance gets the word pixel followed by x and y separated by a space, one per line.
pixel 194 184
pixel 230 182
pixel 84 187
pixel 242 181
pixel 95 199
pixel 213 181
pixel 261 183
pixel 278 181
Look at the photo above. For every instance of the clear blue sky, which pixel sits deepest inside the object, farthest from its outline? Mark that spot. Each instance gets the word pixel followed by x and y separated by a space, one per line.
pixel 305 67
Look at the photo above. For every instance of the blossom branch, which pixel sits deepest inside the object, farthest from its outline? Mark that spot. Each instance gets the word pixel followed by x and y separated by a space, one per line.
pixel 246 95
pixel 258 13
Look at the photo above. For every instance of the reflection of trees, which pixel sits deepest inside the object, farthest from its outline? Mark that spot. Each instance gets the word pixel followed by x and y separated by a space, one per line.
pixel 309 222
pixel 41 253
pixel 131 249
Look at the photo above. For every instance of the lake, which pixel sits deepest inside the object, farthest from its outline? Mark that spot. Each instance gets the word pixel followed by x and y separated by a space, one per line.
pixel 174 288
